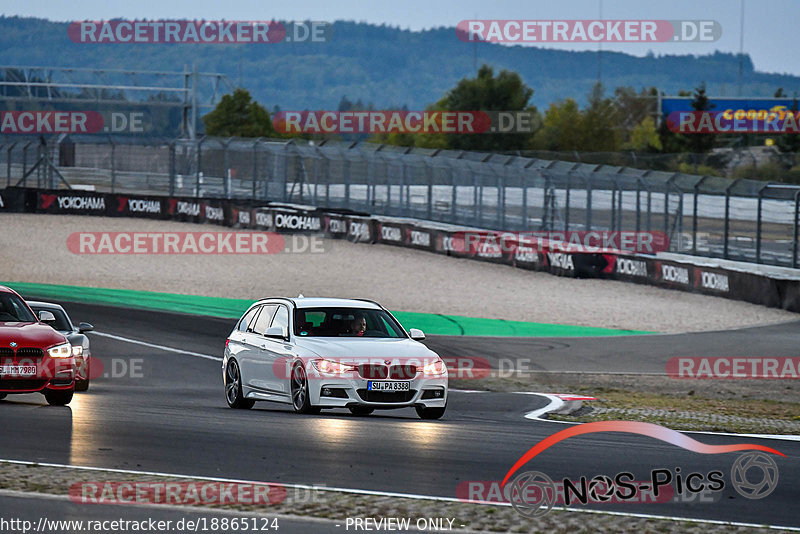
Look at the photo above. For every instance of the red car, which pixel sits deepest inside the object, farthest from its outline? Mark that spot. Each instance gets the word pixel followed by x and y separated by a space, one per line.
pixel 33 356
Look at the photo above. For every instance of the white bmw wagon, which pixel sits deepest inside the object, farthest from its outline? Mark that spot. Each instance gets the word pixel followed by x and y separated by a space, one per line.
pixel 316 353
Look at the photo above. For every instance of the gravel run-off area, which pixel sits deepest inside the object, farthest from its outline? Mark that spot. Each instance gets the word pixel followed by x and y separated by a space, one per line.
pixel 34 249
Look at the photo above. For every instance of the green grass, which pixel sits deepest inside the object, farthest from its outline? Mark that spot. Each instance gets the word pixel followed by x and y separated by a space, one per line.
pixel 430 323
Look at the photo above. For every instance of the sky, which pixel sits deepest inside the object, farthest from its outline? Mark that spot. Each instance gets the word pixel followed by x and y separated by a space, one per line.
pixel 770 35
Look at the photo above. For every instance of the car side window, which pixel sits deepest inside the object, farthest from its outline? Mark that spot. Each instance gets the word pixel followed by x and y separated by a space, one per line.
pixel 247 320
pixel 264 318
pixel 281 318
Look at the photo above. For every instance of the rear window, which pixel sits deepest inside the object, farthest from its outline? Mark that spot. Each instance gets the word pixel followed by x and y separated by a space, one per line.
pixel 345 322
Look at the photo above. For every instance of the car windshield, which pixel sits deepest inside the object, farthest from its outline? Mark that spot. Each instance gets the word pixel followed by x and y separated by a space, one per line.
pixel 345 322
pixel 14 310
pixel 61 323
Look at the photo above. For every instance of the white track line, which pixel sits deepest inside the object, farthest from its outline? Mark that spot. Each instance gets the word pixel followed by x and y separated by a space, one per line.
pixel 556 403
pixel 536 415
pixel 159 347
pixel 390 494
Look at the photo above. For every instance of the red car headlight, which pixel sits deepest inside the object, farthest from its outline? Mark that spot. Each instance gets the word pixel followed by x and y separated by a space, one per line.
pixel 60 351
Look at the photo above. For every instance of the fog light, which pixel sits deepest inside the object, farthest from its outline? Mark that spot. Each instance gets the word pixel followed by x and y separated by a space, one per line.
pixel 326 392
pixel 433 393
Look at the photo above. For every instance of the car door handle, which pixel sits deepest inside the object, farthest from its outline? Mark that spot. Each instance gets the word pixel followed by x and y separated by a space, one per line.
pixel 264 346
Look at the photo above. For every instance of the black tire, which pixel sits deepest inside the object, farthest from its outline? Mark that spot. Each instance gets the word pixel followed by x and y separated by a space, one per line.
pixel 3 395
pixel 82 385
pixel 361 410
pixel 233 388
pixel 58 398
pixel 301 400
pixel 430 413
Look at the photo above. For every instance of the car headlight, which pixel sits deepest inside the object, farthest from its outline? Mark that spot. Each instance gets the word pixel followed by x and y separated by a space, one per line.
pixel 77 350
pixel 434 368
pixel 60 351
pixel 330 367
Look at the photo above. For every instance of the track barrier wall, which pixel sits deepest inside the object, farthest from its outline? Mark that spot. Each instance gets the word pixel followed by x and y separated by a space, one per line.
pixel 686 275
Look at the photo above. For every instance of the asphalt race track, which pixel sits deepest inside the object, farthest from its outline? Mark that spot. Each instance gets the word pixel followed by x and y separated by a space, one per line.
pixel 172 418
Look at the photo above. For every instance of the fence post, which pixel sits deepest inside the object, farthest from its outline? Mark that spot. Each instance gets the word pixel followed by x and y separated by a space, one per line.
pixel 666 204
pixel 255 169
pixel 588 204
pixel 525 221
pixel 285 194
pixel 429 176
pixel 402 187
pixel 614 205
pixel 388 208
pixel 113 164
pixel 25 163
pixel 568 189
pixel 619 207
pixel 453 191
pixel 694 213
pixel 727 217
pixel 172 169
pixel 547 216
pixel 796 230
pixel 226 179
pixel 198 172
pixel 501 201
pixel 370 181
pixel 8 163
pixel 40 154
pixel 758 222
pixel 638 206
pixel 316 179
pixel 347 177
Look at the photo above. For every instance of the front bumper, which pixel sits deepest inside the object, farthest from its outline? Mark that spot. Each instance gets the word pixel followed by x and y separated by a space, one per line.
pixel 344 392
pixel 51 374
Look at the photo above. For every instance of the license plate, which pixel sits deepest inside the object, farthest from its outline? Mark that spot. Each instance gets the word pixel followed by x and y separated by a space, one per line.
pixel 18 370
pixel 388 386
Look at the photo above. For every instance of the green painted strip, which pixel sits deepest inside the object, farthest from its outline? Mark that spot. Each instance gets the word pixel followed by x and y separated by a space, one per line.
pixel 449 325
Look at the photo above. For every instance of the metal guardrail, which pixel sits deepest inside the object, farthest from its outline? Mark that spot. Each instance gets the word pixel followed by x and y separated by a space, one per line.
pixel 744 220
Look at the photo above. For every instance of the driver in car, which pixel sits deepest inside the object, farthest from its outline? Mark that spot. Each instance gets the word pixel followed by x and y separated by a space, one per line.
pixel 358 325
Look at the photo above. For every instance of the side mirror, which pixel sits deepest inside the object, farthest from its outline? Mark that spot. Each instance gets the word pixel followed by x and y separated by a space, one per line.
pixel 85 327
pixel 416 334
pixel 279 332
pixel 47 317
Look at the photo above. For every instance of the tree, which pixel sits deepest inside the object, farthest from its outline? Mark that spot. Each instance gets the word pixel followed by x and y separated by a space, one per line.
pixel 596 128
pixel 701 143
pixel 644 137
pixel 633 107
pixel 599 123
pixel 562 127
pixel 487 92
pixel 237 115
